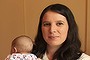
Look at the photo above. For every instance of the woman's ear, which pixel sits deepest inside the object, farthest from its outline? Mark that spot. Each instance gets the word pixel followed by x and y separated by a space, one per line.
pixel 15 49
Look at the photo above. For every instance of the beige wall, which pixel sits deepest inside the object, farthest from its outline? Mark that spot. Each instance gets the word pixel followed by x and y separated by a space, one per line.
pixel 11 24
pixel 88 28
pixel 21 17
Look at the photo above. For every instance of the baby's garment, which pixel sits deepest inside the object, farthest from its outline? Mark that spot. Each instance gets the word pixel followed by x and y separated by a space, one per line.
pixel 18 56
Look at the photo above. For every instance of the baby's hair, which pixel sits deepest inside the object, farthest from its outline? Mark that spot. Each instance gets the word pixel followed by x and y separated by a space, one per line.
pixel 23 43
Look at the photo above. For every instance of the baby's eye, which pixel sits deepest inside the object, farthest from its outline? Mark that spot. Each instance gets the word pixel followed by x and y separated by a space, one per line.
pixel 59 23
pixel 46 24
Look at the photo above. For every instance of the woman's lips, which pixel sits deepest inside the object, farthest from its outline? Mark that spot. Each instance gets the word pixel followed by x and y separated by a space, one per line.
pixel 53 37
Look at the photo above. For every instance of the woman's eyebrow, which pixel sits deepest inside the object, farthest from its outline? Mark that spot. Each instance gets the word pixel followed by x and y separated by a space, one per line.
pixel 44 21
pixel 60 21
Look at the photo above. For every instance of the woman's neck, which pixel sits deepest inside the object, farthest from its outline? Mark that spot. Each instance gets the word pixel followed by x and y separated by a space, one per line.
pixel 51 50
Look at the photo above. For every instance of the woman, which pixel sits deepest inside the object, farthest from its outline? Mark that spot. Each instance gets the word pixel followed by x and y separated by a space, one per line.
pixel 57 36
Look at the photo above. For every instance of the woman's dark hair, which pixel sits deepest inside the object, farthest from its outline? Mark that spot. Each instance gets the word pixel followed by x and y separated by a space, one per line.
pixel 70 49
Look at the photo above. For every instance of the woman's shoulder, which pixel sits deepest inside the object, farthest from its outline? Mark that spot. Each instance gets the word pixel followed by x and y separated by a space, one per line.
pixel 84 57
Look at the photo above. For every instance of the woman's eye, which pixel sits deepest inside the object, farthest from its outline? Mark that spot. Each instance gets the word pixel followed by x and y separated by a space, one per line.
pixel 46 24
pixel 59 24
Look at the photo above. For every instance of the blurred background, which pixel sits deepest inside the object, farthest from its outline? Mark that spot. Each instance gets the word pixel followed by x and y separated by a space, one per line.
pixel 18 17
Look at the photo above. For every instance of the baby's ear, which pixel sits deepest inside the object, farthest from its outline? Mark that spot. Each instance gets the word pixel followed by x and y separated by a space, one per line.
pixel 15 49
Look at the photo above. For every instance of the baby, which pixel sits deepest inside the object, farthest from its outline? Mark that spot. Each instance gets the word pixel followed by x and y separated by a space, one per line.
pixel 21 48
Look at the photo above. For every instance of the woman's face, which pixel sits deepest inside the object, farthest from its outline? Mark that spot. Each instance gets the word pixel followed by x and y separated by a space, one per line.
pixel 54 28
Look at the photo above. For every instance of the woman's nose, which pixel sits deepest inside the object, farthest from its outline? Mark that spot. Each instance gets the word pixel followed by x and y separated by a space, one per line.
pixel 52 28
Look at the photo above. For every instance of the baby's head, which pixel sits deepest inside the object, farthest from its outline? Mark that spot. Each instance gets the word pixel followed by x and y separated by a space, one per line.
pixel 22 44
